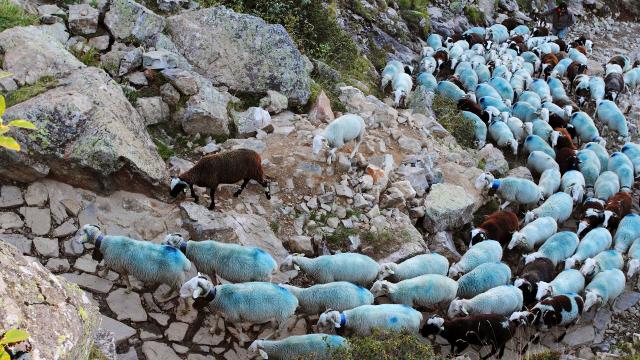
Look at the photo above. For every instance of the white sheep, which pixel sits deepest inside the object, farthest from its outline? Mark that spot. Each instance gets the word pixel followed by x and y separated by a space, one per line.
pixel 500 300
pixel 634 258
pixel 392 68
pixel 558 206
pixel 488 251
pixel 568 281
pixel 340 131
pixel 401 85
pixel 422 291
pixel 539 161
pixel 413 267
pixel 595 242
pixel 534 233
pixel 310 346
pixel 352 267
pixel 572 183
pixel 364 319
pixel 607 185
pixel 605 260
pixel 604 288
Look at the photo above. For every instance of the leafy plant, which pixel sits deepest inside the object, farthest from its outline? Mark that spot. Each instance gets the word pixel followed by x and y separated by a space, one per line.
pixel 12 336
pixel 12 15
pixel 7 141
pixel 386 346
pixel 474 14
pixel 164 150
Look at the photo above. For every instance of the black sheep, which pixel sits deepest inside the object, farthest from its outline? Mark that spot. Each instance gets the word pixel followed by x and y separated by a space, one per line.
pixel 540 269
pixel 224 168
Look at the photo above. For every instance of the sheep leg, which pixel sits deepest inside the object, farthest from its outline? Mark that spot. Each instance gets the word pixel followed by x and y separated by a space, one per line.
pixel 193 194
pixel 501 353
pixel 244 184
pixel 494 349
pixel 125 277
pixel 504 205
pixel 265 185
pixel 212 194
pixel 356 147
pixel 241 335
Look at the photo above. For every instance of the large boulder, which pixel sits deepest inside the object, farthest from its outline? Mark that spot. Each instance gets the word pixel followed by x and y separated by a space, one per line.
pixel 32 52
pixel 126 19
pixel 206 112
pixel 372 109
pixel 88 135
pixel 242 52
pixel 447 207
pixel 405 242
pixel 59 317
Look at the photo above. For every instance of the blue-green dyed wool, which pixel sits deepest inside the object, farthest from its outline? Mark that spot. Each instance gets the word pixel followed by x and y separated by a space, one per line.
pixel 483 278
pixel 628 231
pixel 339 295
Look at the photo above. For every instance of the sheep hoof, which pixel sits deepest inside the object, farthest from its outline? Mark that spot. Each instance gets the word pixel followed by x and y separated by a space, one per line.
pixel 268 196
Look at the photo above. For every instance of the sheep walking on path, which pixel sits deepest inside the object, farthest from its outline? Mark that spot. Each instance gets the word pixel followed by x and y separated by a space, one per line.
pixel 340 131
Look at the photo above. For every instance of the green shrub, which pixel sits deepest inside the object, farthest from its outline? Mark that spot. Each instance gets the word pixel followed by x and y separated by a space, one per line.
pixel 164 150
pixel 418 21
pixel 131 94
pixel 12 15
pixel 339 239
pixel 474 15
pixel 451 119
pixel 386 346
pixel 90 57
pixel 28 91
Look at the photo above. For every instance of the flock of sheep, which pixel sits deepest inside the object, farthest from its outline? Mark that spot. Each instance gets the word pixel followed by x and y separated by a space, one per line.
pixel 494 76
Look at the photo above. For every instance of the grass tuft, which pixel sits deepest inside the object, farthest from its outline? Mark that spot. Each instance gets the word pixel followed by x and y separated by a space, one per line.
pixel 90 57
pixel 28 91
pixel 387 346
pixel 164 150
pixel 474 15
pixel 12 15
pixel 451 119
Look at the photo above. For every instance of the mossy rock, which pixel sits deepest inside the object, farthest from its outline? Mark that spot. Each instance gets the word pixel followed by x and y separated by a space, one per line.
pixel 417 21
pixel 448 115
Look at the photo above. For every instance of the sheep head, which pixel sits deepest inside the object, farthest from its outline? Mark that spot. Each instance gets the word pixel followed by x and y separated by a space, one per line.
pixel 433 326
pixel 457 307
pixel 570 262
pixel 544 289
pixel 257 347
pixel 386 270
pixel 513 144
pixel 177 186
pixel 478 235
pixel 174 240
pixel 589 267
pixel 522 317
pixel 289 263
pixel 516 239
pixel 554 138
pixel 329 319
pixel 634 266
pixel 484 180
pixel 196 287
pixel 577 193
pixel 90 233
pixel 592 298
pixel 319 142
pixel 529 217
pixel 399 96
pixel 381 288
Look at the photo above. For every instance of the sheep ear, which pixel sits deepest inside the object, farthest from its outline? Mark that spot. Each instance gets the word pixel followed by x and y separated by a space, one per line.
pixel 197 292
pixel 296 267
pixel 263 354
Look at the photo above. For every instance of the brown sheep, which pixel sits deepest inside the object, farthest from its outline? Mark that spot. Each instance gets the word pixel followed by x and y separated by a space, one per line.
pixel 564 139
pixel 498 226
pixel 613 86
pixel 617 207
pixel 540 269
pixel 574 69
pixel 225 168
pixel 567 159
pixel 473 38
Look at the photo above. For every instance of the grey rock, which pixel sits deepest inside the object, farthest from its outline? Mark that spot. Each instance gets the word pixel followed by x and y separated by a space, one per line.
pixel 54 10
pixel 38 220
pixel 10 196
pixel 86 264
pixel 321 111
pixel 508 5
pixel 131 60
pixel 343 163
pixel 405 188
pixel 159 60
pixel 126 306
pixel 121 332
pixel 206 112
pixel 9 220
pixel 35 299
pixel 344 191
pixel 153 110
pixel 127 18
pixel 625 301
pixel 176 331
pixel 129 355
pixel 73 247
pixel 579 336
pixel 274 102
pixel 137 78
pixel 76 44
pixel 7 84
pixel 185 81
pixel 159 351
pixel 161 319
pixel 249 122
pixel 301 244
pixel 31 53
pixel 90 282
pixel 372 110
pixel 442 243
pixel 242 52
pixel 487 7
pixel 66 229
pixel 94 137
pixel 252 144
pixel 100 43
pixel 83 19
pixel 19 241
pixel 46 247
pixel 36 194
pixel 520 172
pixel 104 342
pixel 447 207
pixel 392 198
pixel 169 94
pixel 171 5
pixel 57 265
pixel 204 337
pixel 420 100
pixel 409 145
pixel 494 161
pixel 162 41
pixel 148 335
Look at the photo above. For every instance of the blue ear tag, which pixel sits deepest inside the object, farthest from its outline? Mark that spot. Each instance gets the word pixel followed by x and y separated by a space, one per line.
pixel 495 184
pixel 343 320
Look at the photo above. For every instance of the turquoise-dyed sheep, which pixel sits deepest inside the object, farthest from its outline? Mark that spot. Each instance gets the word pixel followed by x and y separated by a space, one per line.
pixel 604 288
pixel 520 30
pixel 510 189
pixel 607 185
pixel 401 85
pixel 425 291
pixel 538 162
pixel 497 33
pixel 488 251
pixel 450 91
pixel 576 55
pixel 352 267
pixel 484 277
pixel 340 131
pixel 601 152
pixel 427 81
pixel 560 70
pixel 434 41
pixel 595 242
pixel 563 112
pixel 479 128
pixel 557 248
pixel 549 183
pixel 485 89
pixel 392 68
pixel 518 83
pixel 475 30
pixel 634 259
pixel 246 303
pixel 502 135
pixel 428 65
pixel 586 128
pixel 500 300
pixel 534 233
pixel 620 164
pixel 362 320
pixel 613 119
pixel 531 98
pixel 540 87
pixel 232 262
pixel 525 111
pixel 150 263
pixel 502 71
pixel 503 87
pixel 632 150
pixel 628 230
pixel 413 267
pixel 567 282
pixel 483 72
pixel 589 166
pixel 632 78
pixel 339 295
pixel 605 260
pixel 310 346
pixel 558 206
pixel 490 101
pixel 536 143
pixel 540 128
pixel 558 93
pixel 597 89
pixel 572 183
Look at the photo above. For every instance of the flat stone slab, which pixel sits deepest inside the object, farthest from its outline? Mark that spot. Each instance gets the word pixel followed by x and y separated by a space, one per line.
pixel 10 196
pixel 121 332
pixel 158 351
pixel 38 220
pixel 46 247
pixel 9 220
pixel 90 282
pixel 126 306
pixel 626 301
pixel 19 241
